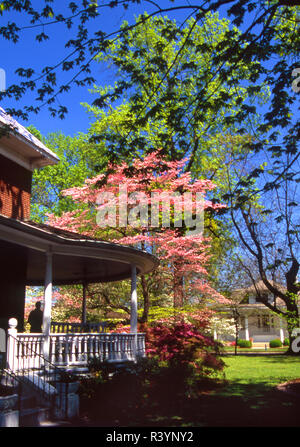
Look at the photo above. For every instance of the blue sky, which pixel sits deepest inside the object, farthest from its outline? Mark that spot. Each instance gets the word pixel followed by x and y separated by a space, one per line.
pixel 30 53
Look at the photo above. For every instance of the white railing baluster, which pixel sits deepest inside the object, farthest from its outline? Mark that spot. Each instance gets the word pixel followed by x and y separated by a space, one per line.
pixel 74 348
pixel 84 353
pixel 63 328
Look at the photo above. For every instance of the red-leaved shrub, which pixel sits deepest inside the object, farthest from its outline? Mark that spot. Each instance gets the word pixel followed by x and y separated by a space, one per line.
pixel 176 341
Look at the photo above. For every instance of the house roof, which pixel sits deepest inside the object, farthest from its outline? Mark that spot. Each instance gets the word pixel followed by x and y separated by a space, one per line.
pixel 76 258
pixel 22 146
pixel 259 287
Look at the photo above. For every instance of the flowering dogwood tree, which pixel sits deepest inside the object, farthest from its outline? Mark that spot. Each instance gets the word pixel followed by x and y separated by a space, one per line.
pixel 153 205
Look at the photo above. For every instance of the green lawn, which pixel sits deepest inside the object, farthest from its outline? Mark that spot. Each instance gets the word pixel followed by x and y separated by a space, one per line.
pixel 250 397
pixel 261 369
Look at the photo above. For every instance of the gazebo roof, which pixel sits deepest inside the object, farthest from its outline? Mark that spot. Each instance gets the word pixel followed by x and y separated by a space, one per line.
pixel 76 258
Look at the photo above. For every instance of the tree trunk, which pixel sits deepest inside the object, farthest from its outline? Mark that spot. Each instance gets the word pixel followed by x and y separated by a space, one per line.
pixel 236 324
pixel 146 297
pixel 292 323
pixel 178 291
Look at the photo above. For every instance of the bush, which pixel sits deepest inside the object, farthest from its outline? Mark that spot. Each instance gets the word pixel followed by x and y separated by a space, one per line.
pixel 178 342
pixel 181 361
pixel 286 342
pixel 244 343
pixel 114 393
pixel 276 343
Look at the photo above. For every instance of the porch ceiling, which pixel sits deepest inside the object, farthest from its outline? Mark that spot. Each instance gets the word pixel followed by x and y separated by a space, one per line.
pixel 75 258
pixel 68 269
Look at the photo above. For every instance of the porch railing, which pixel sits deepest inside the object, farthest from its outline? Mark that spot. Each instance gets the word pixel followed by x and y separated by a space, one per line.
pixel 62 328
pixel 72 349
pixel 27 367
pixel 78 349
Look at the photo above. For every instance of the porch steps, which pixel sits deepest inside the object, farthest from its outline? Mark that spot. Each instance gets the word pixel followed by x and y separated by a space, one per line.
pixel 260 345
pixel 32 414
pixel 33 417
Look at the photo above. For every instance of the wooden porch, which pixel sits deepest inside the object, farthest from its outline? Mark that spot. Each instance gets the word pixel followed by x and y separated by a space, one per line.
pixel 71 349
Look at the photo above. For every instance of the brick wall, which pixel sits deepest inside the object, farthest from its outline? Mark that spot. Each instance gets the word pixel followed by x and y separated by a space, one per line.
pixel 15 189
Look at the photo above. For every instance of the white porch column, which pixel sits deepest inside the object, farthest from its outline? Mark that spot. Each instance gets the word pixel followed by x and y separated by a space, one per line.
pixel 215 335
pixel 246 328
pixel 281 331
pixel 47 305
pixel 83 315
pixel 133 309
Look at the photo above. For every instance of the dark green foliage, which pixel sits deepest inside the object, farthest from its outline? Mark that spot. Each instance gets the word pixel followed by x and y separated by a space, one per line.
pixel 244 343
pixel 276 343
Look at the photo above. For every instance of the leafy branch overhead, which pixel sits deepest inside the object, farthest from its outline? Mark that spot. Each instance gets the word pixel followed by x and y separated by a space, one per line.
pixel 256 49
pixel 84 45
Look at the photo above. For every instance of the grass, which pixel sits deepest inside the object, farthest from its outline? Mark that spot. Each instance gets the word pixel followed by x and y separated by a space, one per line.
pixel 248 397
pixel 268 369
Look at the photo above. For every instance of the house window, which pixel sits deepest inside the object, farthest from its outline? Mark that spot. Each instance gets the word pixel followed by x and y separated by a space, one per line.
pixel 265 297
pixel 242 322
pixel 263 323
pixel 252 299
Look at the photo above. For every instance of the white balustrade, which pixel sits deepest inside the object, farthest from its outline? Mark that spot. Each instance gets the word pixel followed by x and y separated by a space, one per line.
pixel 64 328
pixel 75 349
pixel 25 351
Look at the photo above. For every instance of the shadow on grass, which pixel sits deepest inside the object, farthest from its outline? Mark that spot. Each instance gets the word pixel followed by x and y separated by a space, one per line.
pixel 242 405
pixel 234 405
pixel 251 404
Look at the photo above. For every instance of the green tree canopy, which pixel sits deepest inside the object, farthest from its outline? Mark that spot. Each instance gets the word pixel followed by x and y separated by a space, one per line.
pixel 79 159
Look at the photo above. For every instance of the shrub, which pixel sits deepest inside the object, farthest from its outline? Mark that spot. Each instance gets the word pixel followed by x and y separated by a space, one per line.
pixel 121 388
pixel 276 343
pixel 244 343
pixel 179 342
pixel 181 360
pixel 286 342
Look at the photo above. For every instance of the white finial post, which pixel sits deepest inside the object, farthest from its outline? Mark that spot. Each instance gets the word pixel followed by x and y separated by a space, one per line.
pixel 12 344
